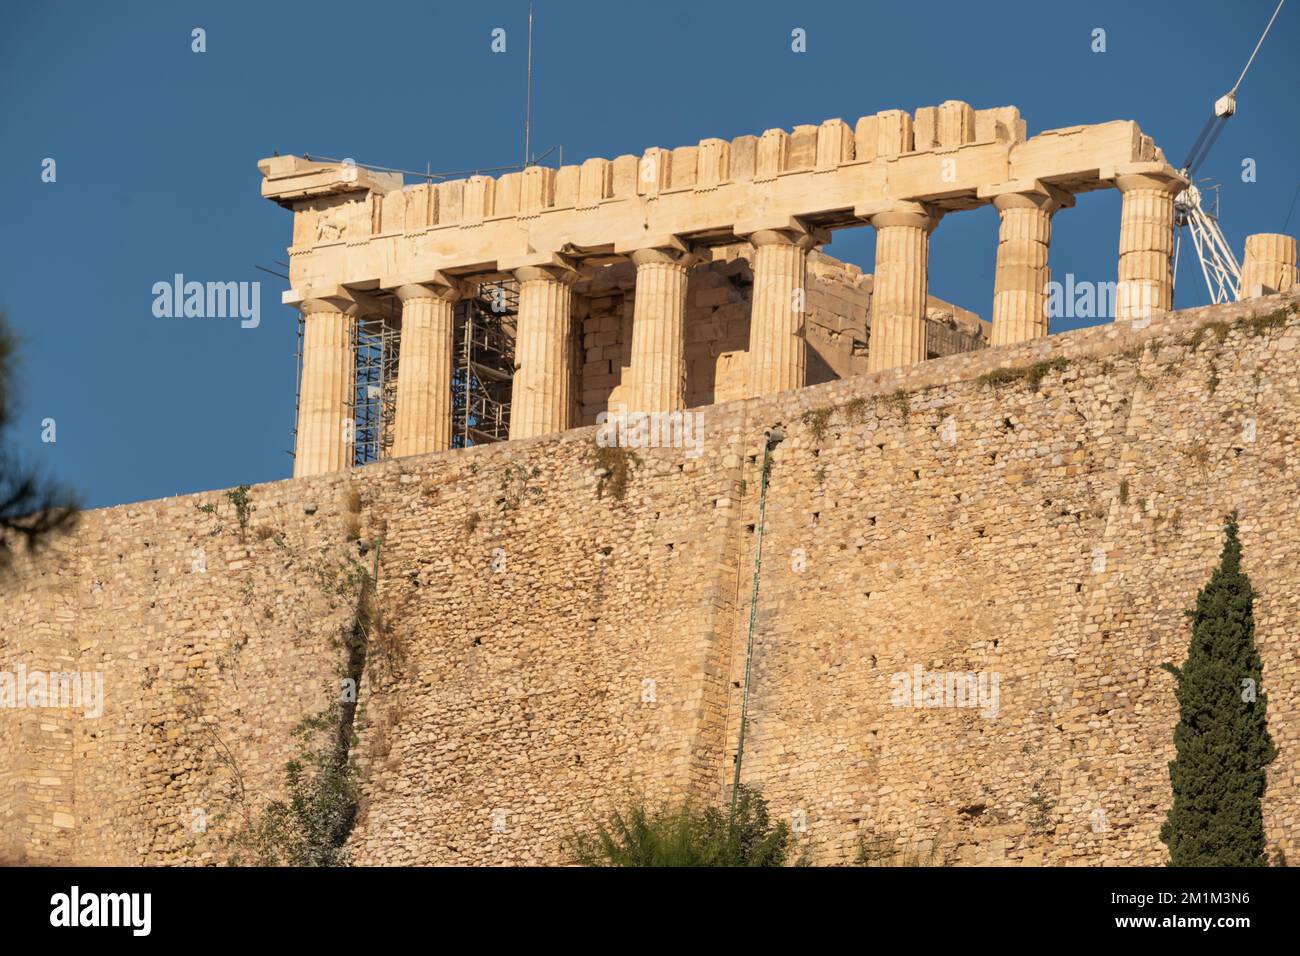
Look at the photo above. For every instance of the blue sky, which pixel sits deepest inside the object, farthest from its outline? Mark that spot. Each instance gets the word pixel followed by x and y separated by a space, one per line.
pixel 156 150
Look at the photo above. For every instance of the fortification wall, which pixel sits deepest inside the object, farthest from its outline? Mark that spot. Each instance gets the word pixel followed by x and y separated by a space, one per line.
pixel 551 648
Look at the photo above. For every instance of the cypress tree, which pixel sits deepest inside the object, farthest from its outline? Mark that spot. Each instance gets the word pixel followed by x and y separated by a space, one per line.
pixel 1222 739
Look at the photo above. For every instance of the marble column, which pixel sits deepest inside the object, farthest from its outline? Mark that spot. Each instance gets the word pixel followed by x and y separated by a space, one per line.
pixel 539 400
pixel 900 286
pixel 1020 296
pixel 658 325
pixel 777 347
pixel 1146 243
pixel 325 394
pixel 1269 264
pixel 423 422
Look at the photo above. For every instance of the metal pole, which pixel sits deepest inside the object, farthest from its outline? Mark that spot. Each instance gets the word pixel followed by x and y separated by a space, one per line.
pixel 528 107
pixel 753 609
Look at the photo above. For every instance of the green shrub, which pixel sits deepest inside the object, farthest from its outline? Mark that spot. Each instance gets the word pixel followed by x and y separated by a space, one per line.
pixel 687 835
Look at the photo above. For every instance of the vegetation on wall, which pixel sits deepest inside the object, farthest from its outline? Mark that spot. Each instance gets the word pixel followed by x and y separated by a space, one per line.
pixel 311 825
pixel 614 467
pixel 686 835
pixel 880 850
pixel 515 487
pixel 243 505
pixel 1031 375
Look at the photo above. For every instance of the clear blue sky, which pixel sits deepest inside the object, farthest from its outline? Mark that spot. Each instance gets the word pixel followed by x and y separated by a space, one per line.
pixel 156 150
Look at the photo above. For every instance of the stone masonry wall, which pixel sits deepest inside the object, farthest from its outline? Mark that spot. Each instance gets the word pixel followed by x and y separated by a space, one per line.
pixel 555 643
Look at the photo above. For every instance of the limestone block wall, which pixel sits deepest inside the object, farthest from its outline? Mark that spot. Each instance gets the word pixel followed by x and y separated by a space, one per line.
pixel 566 629
pixel 1051 533
pixel 212 646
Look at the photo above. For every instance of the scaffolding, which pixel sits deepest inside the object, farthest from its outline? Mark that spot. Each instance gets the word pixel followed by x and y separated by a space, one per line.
pixel 376 343
pixel 485 363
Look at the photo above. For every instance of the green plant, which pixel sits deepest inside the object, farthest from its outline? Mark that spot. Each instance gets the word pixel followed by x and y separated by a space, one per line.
pixel 614 466
pixel 1221 741
pixel 1123 492
pixel 311 825
pixel 855 410
pixel 1032 375
pixel 1041 820
pixel 1199 453
pixel 244 506
pixel 1260 324
pixel 686 835
pixel 881 850
pixel 515 488
pixel 817 420
pixel 902 403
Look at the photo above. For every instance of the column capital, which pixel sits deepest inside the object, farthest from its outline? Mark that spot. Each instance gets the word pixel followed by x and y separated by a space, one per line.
pixel 801 239
pixel 918 215
pixel 346 304
pixel 442 288
pixel 1027 194
pixel 1160 177
pixel 550 273
pixel 328 297
pixel 664 255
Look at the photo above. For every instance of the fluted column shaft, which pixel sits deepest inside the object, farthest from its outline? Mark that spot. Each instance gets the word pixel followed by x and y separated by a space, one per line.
pixel 1020 287
pixel 658 331
pixel 1269 263
pixel 1146 245
pixel 423 422
pixel 777 347
pixel 325 395
pixel 900 286
pixel 539 400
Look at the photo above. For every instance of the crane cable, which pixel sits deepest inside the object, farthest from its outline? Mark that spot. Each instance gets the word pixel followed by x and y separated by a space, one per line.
pixel 1214 125
pixel 1233 91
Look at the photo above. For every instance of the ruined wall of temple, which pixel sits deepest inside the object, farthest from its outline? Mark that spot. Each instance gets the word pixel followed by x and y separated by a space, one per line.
pixel 719 293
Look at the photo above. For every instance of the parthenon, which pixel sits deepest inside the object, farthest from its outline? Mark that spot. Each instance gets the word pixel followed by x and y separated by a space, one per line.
pixel 363 243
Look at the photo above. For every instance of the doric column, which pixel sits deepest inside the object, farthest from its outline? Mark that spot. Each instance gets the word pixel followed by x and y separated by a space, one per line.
pixel 1020 287
pixel 900 286
pixel 658 324
pixel 325 394
pixel 1146 243
pixel 1269 264
pixel 424 365
pixel 539 399
pixel 777 347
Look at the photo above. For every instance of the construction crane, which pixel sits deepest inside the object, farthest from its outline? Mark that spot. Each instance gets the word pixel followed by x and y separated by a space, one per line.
pixel 1218 264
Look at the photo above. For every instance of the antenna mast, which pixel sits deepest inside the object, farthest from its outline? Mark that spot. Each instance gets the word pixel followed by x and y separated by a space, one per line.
pixel 528 102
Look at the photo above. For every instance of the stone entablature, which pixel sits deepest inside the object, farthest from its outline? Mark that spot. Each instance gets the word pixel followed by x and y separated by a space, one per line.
pixel 357 228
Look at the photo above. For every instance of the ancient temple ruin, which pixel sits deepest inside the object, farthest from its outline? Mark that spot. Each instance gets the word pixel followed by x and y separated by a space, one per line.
pixel 687 276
